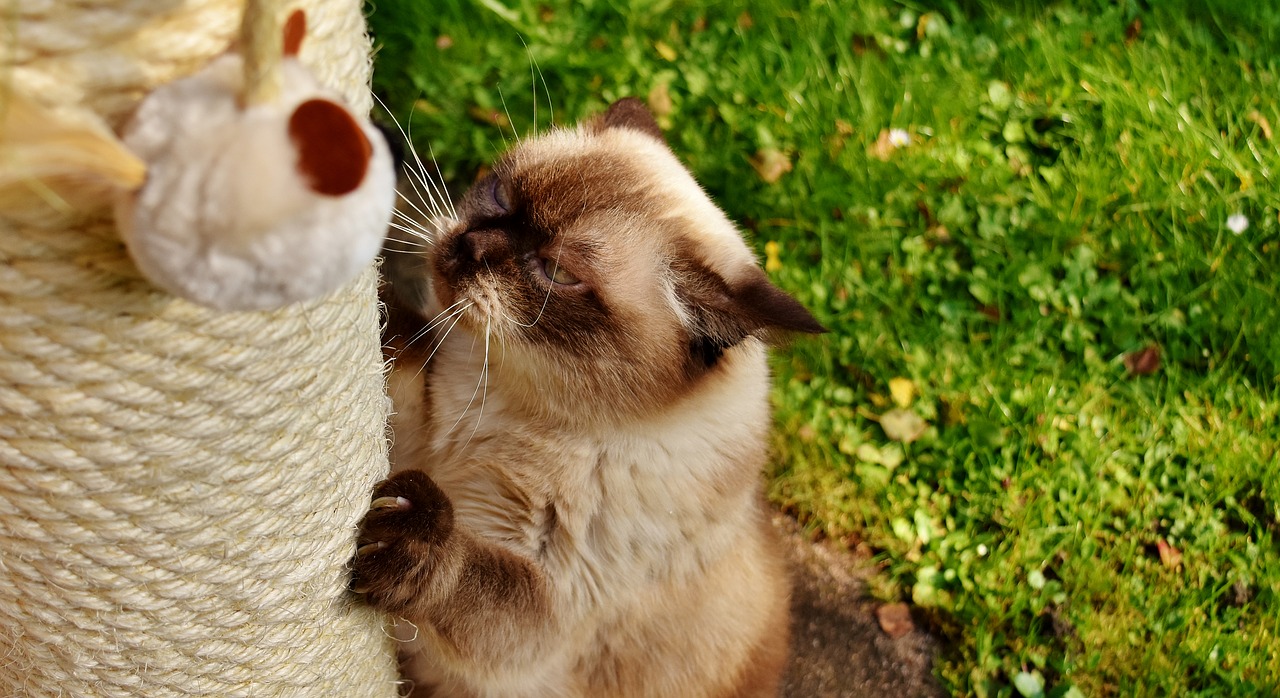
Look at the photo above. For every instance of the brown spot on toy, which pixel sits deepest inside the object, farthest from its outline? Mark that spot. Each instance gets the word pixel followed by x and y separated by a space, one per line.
pixel 295 28
pixel 333 153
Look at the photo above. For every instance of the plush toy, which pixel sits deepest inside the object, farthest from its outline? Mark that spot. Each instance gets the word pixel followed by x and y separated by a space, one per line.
pixel 262 188
pixel 54 162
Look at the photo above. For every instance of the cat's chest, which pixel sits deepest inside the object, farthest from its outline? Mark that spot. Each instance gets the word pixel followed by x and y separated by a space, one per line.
pixel 608 510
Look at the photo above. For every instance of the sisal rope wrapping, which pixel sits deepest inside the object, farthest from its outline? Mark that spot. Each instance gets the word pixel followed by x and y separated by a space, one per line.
pixel 179 488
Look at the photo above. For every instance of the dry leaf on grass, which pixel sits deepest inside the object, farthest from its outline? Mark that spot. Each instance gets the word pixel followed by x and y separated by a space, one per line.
pixel 771 164
pixel 1144 361
pixel 902 425
pixel 903 391
pixel 1134 31
pixel 1170 556
pixel 883 148
pixel 895 619
pixel 660 101
pixel 1256 117
pixel 664 49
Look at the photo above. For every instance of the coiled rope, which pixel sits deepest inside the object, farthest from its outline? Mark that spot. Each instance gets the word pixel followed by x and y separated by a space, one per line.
pixel 179 488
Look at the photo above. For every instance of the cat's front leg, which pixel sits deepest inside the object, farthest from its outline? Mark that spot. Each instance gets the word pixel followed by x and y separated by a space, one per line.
pixel 483 600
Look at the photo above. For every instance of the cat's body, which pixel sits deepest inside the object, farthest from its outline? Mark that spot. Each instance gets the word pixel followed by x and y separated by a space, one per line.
pixel 593 428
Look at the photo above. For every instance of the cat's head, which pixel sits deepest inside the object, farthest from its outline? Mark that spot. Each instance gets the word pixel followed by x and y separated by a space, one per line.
pixel 598 264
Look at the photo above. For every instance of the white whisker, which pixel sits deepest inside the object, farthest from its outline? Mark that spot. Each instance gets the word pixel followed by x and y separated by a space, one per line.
pixel 441 318
pixel 533 82
pixel 404 219
pixel 481 381
pixel 484 375
pixel 510 124
pixel 414 232
pixel 457 308
pixel 423 191
pixel 440 196
pixel 535 74
pixel 457 317
pixel 417 228
pixel 453 320
pixel 448 202
pixel 533 65
pixel 414 206
pixel 433 201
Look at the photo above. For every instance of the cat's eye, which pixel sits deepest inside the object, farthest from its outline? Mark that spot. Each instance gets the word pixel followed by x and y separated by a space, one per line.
pixel 557 273
pixel 501 194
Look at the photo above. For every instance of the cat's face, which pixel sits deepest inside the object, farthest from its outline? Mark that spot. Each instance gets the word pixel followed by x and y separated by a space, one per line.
pixel 597 263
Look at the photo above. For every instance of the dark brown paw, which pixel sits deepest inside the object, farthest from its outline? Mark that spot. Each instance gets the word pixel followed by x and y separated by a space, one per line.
pixel 401 540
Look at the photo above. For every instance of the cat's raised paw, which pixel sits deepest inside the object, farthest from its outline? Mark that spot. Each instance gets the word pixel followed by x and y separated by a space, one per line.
pixel 408 520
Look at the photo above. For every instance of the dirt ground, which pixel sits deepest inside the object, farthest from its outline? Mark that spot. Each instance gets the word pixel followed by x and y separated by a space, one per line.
pixel 839 648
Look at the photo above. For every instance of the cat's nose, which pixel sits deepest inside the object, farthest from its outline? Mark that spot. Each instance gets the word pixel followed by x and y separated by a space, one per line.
pixel 484 244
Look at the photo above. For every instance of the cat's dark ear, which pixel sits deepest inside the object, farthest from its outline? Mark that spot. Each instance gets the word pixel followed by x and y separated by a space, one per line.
pixel 631 113
pixel 723 313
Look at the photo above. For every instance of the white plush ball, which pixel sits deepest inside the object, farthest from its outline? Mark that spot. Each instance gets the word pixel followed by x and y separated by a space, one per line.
pixel 251 208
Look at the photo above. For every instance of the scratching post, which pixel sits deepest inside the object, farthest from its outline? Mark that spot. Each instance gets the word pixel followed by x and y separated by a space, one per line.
pixel 179 487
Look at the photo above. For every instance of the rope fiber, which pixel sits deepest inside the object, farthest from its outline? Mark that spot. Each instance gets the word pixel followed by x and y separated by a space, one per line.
pixel 179 488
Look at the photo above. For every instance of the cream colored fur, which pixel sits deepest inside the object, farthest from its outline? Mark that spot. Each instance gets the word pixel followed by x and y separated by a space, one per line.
pixel 659 500
pixel 640 507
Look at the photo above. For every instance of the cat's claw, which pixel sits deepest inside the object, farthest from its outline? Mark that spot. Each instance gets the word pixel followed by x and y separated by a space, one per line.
pixel 368 548
pixel 390 503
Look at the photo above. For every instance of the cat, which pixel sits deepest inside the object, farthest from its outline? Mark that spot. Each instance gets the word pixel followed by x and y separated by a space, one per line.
pixel 575 508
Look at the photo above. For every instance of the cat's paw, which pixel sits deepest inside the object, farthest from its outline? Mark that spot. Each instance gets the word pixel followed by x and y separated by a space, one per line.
pixel 401 540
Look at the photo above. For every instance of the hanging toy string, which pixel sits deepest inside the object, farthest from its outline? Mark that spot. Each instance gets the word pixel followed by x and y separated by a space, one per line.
pixel 262 44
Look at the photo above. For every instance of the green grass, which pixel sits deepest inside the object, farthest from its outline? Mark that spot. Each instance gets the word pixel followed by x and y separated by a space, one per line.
pixel 1068 526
